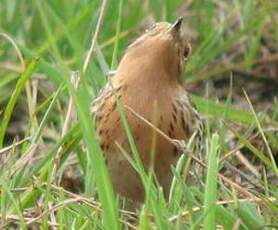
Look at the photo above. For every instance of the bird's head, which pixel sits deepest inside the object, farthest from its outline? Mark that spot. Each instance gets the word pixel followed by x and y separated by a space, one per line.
pixel 163 45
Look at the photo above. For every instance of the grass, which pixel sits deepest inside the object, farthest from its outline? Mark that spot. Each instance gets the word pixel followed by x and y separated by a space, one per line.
pixel 43 43
pixel 211 185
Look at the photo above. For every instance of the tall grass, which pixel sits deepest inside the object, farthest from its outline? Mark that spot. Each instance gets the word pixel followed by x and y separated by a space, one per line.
pixel 61 34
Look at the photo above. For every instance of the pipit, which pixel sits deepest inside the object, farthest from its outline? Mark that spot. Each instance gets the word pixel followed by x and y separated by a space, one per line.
pixel 148 81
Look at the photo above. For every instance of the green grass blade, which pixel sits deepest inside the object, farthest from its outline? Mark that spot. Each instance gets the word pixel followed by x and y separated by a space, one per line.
pixel 103 182
pixel 210 107
pixel 11 104
pixel 250 216
pixel 211 185
pixel 273 162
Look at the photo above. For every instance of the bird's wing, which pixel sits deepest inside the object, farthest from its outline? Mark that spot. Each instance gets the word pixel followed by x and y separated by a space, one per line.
pixel 104 92
pixel 198 123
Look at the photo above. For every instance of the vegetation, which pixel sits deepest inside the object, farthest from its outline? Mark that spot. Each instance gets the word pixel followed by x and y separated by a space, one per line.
pixel 54 58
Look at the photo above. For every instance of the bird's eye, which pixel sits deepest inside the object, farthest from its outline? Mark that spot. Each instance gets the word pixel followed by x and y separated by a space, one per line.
pixel 186 52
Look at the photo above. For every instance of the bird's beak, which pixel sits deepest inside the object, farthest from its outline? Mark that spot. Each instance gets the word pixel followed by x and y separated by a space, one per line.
pixel 175 29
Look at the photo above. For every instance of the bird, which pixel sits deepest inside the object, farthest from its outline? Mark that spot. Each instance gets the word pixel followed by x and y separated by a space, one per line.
pixel 148 81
